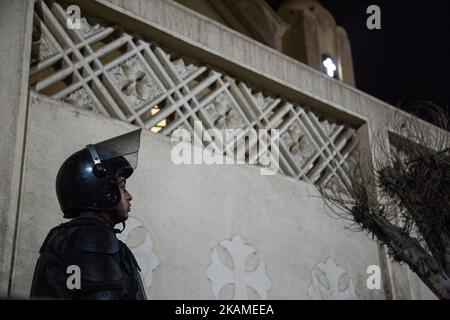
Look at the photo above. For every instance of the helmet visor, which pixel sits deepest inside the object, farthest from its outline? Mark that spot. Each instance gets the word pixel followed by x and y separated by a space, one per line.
pixel 126 145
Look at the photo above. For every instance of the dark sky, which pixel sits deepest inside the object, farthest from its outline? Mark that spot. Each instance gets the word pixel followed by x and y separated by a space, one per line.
pixel 409 58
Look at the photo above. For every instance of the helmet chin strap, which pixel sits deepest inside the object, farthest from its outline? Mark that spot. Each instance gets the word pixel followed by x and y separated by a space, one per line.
pixel 123 228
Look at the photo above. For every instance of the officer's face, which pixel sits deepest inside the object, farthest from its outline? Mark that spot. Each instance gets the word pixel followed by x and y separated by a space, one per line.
pixel 124 206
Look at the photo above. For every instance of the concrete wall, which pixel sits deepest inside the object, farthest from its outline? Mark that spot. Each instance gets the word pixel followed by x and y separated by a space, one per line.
pixel 187 210
pixel 15 43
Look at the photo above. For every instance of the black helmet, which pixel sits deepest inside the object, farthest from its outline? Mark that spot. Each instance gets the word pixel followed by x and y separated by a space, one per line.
pixel 87 180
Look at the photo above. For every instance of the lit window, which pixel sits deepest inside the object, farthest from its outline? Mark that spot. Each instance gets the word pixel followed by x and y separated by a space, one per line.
pixel 329 66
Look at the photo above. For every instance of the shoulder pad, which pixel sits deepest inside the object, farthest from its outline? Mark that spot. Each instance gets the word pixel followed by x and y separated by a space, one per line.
pixel 49 237
pixel 96 239
pixel 99 268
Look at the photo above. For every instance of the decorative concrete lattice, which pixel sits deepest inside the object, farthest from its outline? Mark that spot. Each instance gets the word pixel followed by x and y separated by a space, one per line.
pixel 104 69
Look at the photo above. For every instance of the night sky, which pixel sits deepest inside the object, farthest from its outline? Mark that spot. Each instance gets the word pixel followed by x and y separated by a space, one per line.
pixel 408 59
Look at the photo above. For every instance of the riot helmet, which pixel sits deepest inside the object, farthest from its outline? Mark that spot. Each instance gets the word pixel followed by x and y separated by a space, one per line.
pixel 87 180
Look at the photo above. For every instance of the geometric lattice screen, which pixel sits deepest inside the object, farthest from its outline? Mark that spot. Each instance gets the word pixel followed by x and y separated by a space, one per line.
pixel 106 70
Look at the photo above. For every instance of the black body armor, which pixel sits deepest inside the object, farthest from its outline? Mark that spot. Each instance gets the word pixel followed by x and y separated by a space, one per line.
pixel 107 267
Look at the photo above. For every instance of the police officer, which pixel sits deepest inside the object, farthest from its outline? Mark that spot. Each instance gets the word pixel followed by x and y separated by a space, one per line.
pixel 91 190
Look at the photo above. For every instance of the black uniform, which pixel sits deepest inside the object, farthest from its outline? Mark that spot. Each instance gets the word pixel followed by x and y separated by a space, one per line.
pixel 107 267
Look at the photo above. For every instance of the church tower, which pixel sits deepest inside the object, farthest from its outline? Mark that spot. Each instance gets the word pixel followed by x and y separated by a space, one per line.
pixel 314 39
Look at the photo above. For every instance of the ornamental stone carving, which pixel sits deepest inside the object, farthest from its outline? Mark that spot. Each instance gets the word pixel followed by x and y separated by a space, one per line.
pixel 238 267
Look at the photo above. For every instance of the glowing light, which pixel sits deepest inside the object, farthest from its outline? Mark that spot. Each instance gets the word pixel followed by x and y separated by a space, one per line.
pixel 160 124
pixel 330 67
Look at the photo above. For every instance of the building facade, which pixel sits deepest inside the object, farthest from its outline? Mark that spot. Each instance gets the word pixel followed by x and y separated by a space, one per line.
pixel 199 231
